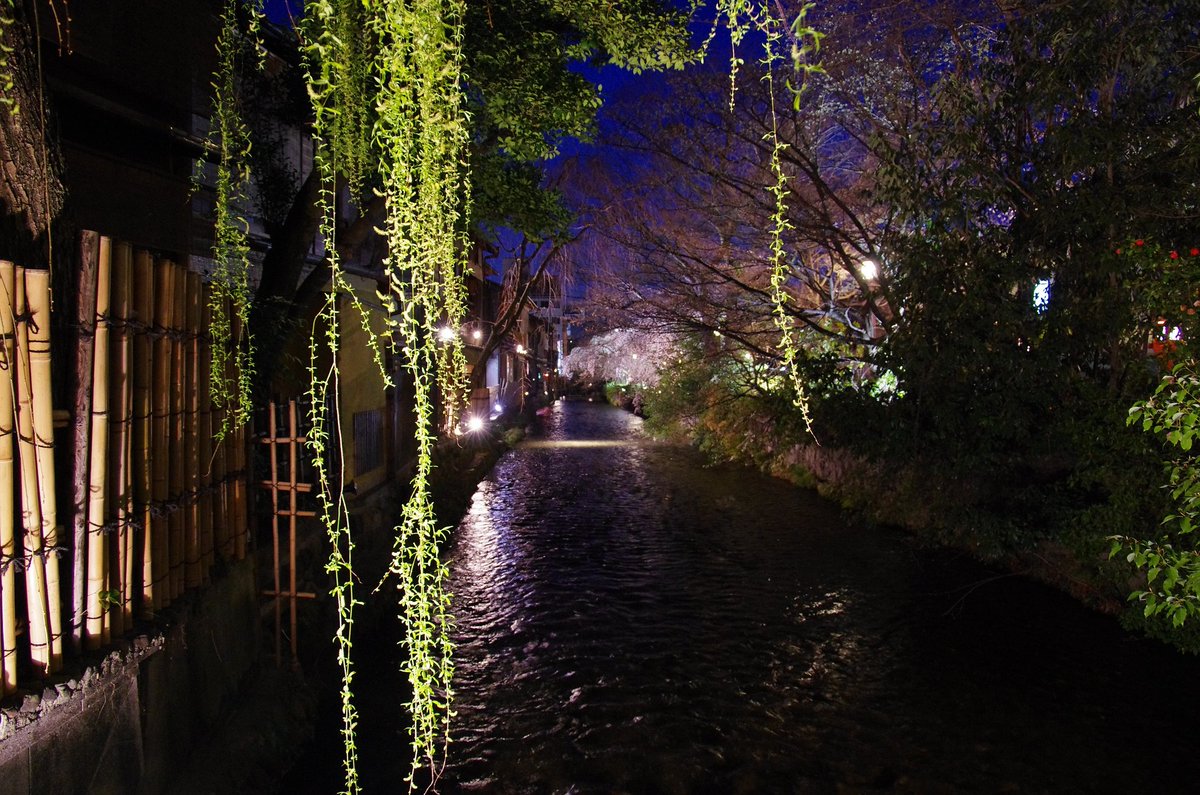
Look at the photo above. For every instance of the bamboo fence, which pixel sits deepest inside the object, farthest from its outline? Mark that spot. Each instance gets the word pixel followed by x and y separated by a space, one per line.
pixel 157 502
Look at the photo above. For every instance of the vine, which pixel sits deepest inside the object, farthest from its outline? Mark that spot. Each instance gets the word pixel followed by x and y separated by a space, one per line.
pixel 230 298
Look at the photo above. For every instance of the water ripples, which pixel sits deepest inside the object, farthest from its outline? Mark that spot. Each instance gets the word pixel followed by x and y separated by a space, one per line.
pixel 628 621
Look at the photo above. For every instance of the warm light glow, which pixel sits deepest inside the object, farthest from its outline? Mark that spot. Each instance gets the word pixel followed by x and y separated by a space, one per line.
pixel 474 424
pixel 520 349
pixel 445 334
pixel 477 335
pixel 868 269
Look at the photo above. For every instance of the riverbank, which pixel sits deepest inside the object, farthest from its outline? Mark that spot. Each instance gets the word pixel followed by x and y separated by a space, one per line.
pixel 938 506
pixel 459 465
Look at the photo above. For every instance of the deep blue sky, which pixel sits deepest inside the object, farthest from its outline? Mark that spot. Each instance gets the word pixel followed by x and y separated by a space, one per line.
pixel 278 10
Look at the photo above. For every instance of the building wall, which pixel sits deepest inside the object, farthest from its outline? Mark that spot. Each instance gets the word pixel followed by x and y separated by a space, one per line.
pixel 363 393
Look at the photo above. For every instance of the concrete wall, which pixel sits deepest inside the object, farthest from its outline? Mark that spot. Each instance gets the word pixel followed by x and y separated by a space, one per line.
pixel 128 723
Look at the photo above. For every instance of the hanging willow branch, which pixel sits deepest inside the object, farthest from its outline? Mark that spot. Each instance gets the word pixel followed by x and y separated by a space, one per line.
pixel 230 296
pixel 324 67
pixel 404 61
pixel 421 133
pixel 801 42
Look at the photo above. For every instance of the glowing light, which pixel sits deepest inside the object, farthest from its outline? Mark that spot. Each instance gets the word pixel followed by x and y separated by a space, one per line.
pixel 520 349
pixel 498 408
pixel 445 334
pixel 868 269
pixel 477 335
pixel 474 424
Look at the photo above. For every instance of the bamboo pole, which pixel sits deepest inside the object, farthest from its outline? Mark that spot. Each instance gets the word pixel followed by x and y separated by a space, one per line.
pixel 37 602
pixel 143 409
pixel 273 447
pixel 37 289
pixel 120 615
pixel 222 538
pixel 205 432
pixel 81 425
pixel 161 395
pixel 191 471
pixel 8 541
pixel 293 508
pixel 238 520
pixel 228 465
pixel 98 472
pixel 175 430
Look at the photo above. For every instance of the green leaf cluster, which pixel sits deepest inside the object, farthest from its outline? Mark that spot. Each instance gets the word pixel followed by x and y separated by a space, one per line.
pixel 1171 564
pixel 232 370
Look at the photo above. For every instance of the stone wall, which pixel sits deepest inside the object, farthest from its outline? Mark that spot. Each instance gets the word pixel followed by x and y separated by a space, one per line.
pixel 128 723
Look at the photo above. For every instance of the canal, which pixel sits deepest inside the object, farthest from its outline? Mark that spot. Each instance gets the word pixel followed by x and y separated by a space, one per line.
pixel 629 620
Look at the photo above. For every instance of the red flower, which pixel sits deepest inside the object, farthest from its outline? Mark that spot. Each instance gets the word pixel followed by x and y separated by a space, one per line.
pixel 1195 252
pixel 1174 255
pixel 1139 243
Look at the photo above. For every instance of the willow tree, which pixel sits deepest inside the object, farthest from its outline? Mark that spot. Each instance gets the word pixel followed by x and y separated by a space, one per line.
pixel 409 98
pixel 397 118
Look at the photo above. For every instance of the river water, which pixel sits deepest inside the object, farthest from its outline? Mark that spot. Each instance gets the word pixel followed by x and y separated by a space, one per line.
pixel 631 621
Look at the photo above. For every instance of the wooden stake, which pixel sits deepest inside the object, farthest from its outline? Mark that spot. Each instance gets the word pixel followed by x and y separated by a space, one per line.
pixel 273 447
pixel 97 549
pixel 160 485
pixel 120 482
pixel 81 428
pixel 143 409
pixel 8 541
pixel 37 602
pixel 228 465
pixel 293 511
pixel 237 450
pixel 191 405
pixel 175 521
pixel 205 432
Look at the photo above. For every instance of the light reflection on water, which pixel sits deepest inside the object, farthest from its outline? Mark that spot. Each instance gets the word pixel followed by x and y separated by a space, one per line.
pixel 628 621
